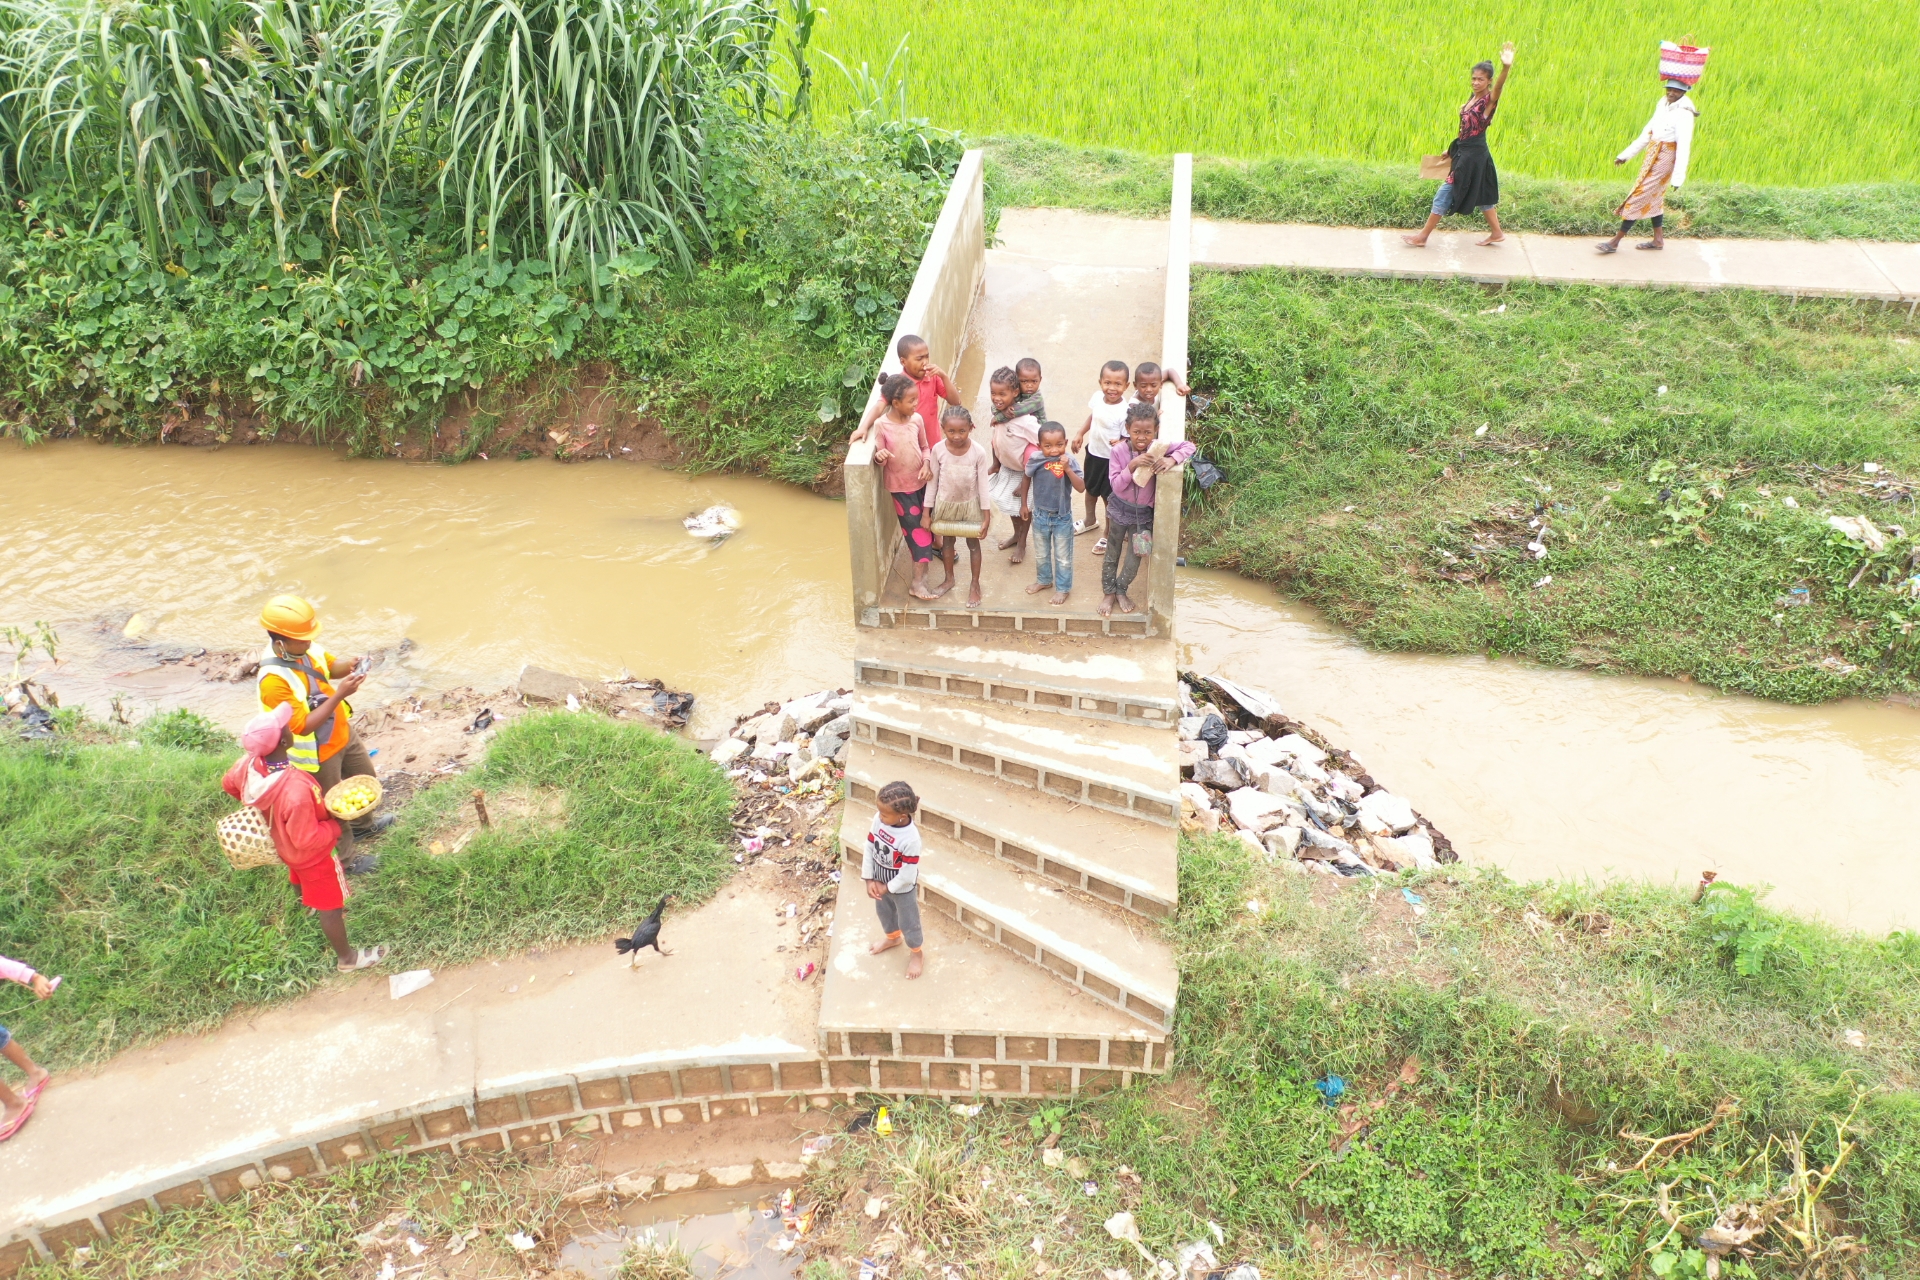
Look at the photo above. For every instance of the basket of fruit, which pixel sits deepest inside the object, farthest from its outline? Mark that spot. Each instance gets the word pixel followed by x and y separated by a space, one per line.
pixel 246 839
pixel 354 797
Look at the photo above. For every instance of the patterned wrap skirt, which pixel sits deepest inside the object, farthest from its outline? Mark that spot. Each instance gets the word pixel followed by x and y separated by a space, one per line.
pixel 1648 199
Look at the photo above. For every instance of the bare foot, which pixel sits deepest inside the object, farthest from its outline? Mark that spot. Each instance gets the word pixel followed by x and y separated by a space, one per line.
pixel 37 1077
pixel 1059 598
pixel 9 1114
pixel 1106 605
pixel 921 593
pixel 1019 554
pixel 885 944
pixel 1005 543
pixel 943 588
pixel 973 597
pixel 1418 242
pixel 1035 588
pixel 1126 604
pixel 1489 242
pixel 914 964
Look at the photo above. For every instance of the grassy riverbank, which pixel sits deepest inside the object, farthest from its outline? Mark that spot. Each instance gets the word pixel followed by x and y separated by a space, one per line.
pixel 1535 1030
pixel 1394 448
pixel 112 875
pixel 1783 101
pixel 1027 171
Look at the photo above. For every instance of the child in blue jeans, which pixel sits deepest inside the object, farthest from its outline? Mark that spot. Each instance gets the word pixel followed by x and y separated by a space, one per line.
pixel 1053 477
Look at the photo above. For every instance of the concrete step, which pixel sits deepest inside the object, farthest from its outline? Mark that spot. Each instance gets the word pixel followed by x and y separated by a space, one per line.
pixel 1123 768
pixel 1095 677
pixel 1130 863
pixel 1005 607
pixel 1119 961
pixel 979 1020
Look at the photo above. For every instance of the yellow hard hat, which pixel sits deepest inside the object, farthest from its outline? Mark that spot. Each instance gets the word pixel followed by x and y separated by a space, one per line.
pixel 290 616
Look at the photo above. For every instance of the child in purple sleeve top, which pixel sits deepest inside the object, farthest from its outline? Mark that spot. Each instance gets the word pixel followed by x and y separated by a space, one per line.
pixel 1132 470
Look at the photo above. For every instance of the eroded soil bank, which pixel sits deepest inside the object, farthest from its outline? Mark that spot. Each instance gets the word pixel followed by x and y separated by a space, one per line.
pixel 587 569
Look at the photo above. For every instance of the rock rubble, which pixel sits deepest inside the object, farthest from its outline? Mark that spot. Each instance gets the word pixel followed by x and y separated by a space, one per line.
pixel 796 739
pixel 1276 784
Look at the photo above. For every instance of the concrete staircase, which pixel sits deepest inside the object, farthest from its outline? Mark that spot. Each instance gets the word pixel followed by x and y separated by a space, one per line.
pixel 1047 770
pixel 1041 740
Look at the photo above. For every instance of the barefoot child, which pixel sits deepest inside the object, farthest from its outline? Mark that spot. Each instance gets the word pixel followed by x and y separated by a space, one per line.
pixel 958 494
pixel 1134 470
pixel 1105 426
pixel 891 868
pixel 305 835
pixel 16 1107
pixel 1052 478
pixel 900 448
pixel 916 361
pixel 1015 437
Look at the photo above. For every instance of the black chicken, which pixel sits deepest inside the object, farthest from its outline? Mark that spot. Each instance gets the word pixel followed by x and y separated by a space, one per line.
pixel 647 935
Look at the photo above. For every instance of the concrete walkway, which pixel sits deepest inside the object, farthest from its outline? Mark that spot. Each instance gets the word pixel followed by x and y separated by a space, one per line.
pixel 1803 268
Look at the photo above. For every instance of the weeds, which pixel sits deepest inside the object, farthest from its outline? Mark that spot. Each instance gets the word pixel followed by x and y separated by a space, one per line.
pixel 1670 460
pixel 110 874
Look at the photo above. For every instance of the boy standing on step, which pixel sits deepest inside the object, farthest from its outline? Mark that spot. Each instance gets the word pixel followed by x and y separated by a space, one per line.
pixel 891 868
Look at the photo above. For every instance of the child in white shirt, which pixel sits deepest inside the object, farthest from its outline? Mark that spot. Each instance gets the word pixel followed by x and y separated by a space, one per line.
pixel 1106 423
pixel 891 868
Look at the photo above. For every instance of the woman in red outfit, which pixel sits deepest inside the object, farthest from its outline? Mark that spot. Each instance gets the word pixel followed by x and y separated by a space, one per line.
pixel 304 833
pixel 1473 184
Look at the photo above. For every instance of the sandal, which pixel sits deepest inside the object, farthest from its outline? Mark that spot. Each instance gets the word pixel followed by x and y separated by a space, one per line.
pixel 363 958
pixel 1100 547
pixel 1648 244
pixel 1607 246
pixel 31 1099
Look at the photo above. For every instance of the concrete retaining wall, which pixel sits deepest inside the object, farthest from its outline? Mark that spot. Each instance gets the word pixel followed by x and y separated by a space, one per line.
pixel 1170 487
pixel 656 1096
pixel 937 308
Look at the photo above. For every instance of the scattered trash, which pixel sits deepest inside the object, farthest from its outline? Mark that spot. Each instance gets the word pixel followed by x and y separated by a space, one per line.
pixel 386 1271
pixel 415 1248
pixel 1053 1157
pixel 1089 1189
pixel 883 1124
pixel 752 844
pixel 1870 467
pixel 1662 390
pixel 716 522
pixel 876 1205
pixel 1860 530
pixel 1331 1089
pixel 573 702
pixel 1543 582
pixel 1347 508
pixel 805 971
pixel 1196 1260
pixel 1481 430
pixel 867 1270
pixel 481 721
pixel 1413 899
pixel 401 985
pixel 968 1109
pixel 793 909
pixel 522 1242
pixel 1494 311
pixel 1856 1039
pixel 458 1245
pixel 816 1146
pixel 1789 501
pixel 1121 1226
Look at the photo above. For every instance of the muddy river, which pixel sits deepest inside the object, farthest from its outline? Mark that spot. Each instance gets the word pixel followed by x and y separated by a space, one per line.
pixel 587 568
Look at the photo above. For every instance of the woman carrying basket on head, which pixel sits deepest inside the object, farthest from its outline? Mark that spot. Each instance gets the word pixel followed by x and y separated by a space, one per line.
pixel 304 833
pixel 1473 186
pixel 1668 141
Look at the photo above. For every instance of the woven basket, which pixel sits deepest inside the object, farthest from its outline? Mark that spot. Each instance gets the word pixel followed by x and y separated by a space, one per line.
pixel 338 804
pixel 246 839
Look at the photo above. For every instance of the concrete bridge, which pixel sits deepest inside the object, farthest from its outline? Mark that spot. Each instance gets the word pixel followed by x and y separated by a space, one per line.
pixel 1041 740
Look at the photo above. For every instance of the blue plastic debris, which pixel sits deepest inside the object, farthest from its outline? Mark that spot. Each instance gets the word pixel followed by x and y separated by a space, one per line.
pixel 1332 1089
pixel 1412 897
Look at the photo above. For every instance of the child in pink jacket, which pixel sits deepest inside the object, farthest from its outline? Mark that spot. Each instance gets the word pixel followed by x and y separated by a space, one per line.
pixel 18 1106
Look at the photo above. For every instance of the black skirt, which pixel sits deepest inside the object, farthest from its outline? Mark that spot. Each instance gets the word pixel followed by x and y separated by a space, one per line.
pixel 1476 183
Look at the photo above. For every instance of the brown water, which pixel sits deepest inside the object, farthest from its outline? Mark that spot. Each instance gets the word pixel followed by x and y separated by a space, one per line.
pixel 586 568
pixel 582 567
pixel 726 1233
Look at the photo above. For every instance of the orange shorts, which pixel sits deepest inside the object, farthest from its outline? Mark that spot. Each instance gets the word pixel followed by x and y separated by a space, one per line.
pixel 323 885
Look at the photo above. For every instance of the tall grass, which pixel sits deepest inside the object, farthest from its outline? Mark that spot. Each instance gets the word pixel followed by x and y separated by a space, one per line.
pixel 557 129
pixel 1787 98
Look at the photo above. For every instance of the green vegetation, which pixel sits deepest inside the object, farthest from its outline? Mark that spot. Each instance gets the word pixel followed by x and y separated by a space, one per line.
pixel 329 223
pixel 1393 448
pixel 1038 172
pixel 1511 1058
pixel 110 874
pixel 1784 101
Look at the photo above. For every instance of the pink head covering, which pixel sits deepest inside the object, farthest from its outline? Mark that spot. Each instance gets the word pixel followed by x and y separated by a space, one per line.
pixel 262 733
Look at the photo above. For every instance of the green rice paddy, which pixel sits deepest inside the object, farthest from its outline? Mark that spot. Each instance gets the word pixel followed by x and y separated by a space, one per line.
pixel 1793 95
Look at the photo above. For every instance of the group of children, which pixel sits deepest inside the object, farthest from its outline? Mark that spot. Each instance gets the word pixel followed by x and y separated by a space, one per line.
pixel 946 485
